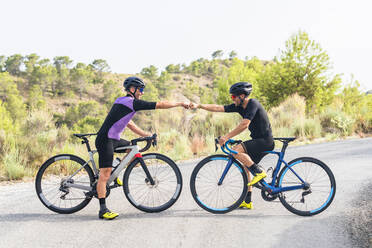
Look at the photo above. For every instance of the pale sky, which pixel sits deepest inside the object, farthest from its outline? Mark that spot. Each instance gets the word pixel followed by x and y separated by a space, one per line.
pixel 131 35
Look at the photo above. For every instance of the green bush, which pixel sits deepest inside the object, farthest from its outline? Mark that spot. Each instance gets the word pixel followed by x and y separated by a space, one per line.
pixel 310 128
pixel 6 122
pixel 13 165
pixel 37 122
pixel 83 109
pixel 175 145
pixel 288 119
pixel 88 124
pixel 336 121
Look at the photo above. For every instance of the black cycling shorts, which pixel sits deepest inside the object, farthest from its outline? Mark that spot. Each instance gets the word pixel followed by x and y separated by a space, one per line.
pixel 256 148
pixel 105 148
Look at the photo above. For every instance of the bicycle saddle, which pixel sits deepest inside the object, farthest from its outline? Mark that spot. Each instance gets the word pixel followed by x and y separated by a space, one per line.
pixel 285 140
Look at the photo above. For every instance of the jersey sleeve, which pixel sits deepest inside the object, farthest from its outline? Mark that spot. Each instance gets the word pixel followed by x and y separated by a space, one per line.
pixel 251 110
pixel 230 108
pixel 143 105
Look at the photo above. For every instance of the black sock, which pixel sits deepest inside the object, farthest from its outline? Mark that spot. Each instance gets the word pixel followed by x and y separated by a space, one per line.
pixel 102 203
pixel 248 198
pixel 255 169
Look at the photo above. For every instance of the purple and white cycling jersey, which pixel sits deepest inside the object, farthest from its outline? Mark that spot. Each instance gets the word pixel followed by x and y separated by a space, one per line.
pixel 122 111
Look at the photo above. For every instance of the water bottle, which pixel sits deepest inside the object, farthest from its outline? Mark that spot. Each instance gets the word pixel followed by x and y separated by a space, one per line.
pixel 115 163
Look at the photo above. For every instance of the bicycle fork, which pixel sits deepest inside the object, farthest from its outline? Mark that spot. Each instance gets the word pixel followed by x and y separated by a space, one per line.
pixel 146 170
pixel 227 168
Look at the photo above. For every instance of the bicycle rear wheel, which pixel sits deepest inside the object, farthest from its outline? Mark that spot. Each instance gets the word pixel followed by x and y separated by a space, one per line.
pixel 153 198
pixel 52 182
pixel 214 198
pixel 314 198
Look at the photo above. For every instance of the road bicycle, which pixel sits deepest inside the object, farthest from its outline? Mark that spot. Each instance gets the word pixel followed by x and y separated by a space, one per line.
pixel 305 186
pixel 152 182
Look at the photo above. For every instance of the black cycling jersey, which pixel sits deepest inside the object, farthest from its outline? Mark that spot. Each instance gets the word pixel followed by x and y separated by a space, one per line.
pixel 260 126
pixel 108 137
pixel 121 113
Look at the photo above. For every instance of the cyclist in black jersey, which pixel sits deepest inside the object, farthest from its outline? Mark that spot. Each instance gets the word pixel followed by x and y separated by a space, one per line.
pixel 108 137
pixel 255 118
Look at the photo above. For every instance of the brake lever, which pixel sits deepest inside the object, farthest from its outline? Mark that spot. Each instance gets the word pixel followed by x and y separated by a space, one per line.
pixel 216 141
pixel 154 141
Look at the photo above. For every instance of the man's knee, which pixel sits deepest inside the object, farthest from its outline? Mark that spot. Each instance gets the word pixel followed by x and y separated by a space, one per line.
pixel 236 149
pixel 105 173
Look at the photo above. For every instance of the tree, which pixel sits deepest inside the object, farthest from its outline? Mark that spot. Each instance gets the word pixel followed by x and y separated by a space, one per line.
pixel 35 98
pixel 61 62
pixel 13 64
pixel 233 54
pixel 9 94
pixel 6 82
pixel 163 84
pixel 150 72
pixel 99 66
pixel 81 75
pixel 217 54
pixel 2 63
pixel 30 63
pixel 6 122
pixel 303 68
pixel 109 88
pixel 45 76
pixel 82 110
pixel 62 65
pixel 173 68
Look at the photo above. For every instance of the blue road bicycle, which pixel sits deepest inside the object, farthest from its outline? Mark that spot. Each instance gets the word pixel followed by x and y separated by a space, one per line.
pixel 305 186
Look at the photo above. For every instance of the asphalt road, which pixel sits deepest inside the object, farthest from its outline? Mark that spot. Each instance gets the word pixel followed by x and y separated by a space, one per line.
pixel 25 222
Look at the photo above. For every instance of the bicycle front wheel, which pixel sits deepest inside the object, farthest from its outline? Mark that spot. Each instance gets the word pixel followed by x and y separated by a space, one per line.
pixel 153 198
pixel 319 191
pixel 54 179
pixel 212 196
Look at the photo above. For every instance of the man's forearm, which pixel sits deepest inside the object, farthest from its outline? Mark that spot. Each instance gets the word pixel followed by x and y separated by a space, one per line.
pixel 166 104
pixel 212 107
pixel 240 128
pixel 136 129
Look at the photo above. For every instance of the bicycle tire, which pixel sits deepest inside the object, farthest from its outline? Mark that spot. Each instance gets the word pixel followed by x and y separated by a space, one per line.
pixel 321 181
pixel 161 168
pixel 218 163
pixel 53 171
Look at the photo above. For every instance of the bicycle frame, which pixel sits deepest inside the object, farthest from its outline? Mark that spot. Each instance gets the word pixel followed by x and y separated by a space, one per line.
pixel 133 153
pixel 270 187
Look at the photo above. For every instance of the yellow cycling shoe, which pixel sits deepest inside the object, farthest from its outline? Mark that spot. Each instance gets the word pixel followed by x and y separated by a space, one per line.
pixel 258 177
pixel 118 182
pixel 107 214
pixel 246 205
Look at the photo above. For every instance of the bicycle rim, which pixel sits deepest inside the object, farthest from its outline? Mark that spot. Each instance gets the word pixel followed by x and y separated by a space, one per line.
pixel 317 197
pixel 213 197
pixel 160 196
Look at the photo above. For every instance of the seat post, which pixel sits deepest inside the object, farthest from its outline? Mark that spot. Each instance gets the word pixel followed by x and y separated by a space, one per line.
pixel 284 147
pixel 86 142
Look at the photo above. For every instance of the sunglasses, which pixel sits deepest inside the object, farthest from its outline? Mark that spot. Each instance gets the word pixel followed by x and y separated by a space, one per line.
pixel 141 90
pixel 233 97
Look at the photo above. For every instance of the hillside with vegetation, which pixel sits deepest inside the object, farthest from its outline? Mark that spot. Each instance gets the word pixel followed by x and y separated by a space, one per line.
pixel 42 102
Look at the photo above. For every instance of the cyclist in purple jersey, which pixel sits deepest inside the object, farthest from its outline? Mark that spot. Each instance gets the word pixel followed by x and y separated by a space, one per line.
pixel 108 137
pixel 255 118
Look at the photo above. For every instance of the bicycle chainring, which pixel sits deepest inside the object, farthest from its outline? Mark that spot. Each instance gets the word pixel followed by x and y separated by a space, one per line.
pixel 267 196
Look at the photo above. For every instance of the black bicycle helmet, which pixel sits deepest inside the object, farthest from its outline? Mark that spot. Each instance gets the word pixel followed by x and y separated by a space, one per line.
pixel 133 81
pixel 241 88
